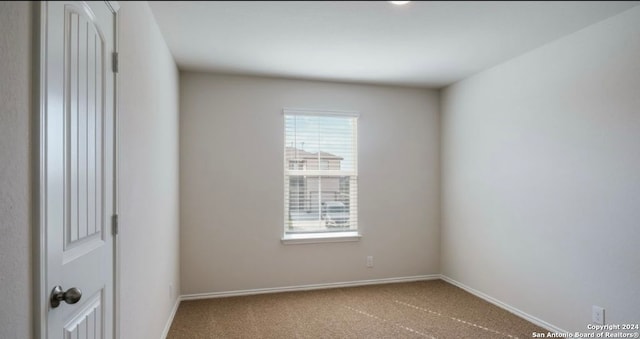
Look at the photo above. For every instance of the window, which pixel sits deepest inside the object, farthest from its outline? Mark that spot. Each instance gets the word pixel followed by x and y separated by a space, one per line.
pixel 320 174
pixel 324 164
pixel 296 164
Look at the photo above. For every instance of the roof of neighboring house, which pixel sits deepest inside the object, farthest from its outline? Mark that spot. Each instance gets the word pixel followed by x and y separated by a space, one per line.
pixel 294 153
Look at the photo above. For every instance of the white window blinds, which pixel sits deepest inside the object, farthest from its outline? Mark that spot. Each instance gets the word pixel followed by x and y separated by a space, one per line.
pixel 320 172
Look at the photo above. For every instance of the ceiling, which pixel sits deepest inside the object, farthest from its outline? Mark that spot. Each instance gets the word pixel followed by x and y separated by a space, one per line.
pixel 429 44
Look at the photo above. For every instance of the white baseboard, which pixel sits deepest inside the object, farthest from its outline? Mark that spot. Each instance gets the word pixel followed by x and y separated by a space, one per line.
pixel 167 326
pixel 308 287
pixel 507 307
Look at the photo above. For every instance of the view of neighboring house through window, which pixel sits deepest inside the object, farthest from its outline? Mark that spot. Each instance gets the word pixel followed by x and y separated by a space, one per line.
pixel 320 172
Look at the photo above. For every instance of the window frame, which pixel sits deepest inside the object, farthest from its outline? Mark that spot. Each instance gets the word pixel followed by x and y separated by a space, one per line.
pixel 325 236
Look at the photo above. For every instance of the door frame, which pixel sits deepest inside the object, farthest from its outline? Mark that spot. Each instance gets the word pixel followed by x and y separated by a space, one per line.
pixel 38 171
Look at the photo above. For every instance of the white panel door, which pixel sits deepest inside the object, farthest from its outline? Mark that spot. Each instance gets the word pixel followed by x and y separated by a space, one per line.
pixel 78 171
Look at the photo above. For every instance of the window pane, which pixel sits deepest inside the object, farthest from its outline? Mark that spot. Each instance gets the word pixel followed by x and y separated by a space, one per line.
pixel 320 204
pixel 323 142
pixel 320 173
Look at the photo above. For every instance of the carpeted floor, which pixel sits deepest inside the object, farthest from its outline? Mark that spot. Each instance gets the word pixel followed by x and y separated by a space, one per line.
pixel 426 309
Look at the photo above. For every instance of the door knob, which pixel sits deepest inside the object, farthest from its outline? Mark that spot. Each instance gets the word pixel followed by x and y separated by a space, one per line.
pixel 71 296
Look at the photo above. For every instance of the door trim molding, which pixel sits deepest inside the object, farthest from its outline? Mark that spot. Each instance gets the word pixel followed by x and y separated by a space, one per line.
pixel 39 169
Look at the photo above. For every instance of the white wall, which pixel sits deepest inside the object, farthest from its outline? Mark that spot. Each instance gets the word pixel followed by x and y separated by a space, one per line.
pixel 232 210
pixel 15 139
pixel 541 177
pixel 149 216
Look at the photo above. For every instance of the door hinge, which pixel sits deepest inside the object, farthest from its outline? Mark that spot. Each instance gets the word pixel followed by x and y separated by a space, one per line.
pixel 114 224
pixel 115 62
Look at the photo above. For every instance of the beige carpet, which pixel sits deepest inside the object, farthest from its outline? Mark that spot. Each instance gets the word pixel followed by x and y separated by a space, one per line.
pixel 427 309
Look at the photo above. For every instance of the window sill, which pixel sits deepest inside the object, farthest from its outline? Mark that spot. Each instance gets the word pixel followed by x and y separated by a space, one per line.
pixel 316 238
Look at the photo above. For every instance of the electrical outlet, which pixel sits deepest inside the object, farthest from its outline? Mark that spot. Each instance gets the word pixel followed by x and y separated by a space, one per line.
pixel 370 261
pixel 597 315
